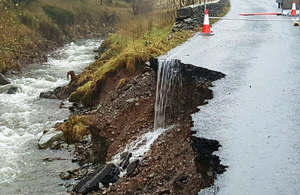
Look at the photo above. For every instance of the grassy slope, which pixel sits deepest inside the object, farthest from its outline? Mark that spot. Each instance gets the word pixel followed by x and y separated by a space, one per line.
pixel 139 39
pixel 27 28
pixel 129 49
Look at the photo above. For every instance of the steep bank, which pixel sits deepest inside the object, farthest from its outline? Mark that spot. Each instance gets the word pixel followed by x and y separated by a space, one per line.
pixel 170 167
pixel 115 121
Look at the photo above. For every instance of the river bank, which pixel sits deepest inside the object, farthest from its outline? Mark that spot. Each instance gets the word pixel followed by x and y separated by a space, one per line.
pixel 24 169
pixel 124 118
pixel 177 163
pixel 31 28
pixel 107 85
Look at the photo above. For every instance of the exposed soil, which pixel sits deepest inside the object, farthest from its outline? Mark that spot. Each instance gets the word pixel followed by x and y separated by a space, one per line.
pixel 174 164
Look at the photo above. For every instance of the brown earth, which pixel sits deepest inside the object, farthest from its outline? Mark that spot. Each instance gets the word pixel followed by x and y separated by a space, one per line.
pixel 170 167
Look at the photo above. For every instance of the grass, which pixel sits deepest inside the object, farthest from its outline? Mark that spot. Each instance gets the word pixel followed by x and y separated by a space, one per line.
pixel 130 53
pixel 33 24
pixel 139 38
pixel 75 128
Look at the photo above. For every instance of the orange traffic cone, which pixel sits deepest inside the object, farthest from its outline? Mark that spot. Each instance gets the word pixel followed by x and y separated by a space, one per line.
pixel 206 26
pixel 293 12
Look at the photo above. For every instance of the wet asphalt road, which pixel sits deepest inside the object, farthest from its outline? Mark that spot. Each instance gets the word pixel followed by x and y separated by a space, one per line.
pixel 255 113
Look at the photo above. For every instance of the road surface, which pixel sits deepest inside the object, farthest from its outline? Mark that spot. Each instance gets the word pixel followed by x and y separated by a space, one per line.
pixel 255 113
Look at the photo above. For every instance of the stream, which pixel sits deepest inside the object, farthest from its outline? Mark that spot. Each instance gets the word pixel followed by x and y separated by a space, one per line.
pixel 24 116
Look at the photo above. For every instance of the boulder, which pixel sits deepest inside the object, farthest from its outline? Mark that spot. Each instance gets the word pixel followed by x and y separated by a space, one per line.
pixel 49 138
pixel 48 95
pixel 66 175
pixel 132 166
pixel 8 89
pixel 185 12
pixel 125 157
pixel 3 80
pixel 61 92
pixel 57 93
pixel 109 174
pixel 12 90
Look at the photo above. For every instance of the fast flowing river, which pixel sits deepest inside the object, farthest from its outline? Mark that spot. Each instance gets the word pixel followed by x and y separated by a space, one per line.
pixel 23 116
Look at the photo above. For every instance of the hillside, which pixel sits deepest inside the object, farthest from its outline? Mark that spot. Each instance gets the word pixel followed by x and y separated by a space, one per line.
pixel 31 27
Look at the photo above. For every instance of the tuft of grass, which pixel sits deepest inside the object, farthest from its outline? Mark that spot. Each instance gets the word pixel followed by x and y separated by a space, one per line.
pixel 75 128
pixel 121 83
pixel 82 94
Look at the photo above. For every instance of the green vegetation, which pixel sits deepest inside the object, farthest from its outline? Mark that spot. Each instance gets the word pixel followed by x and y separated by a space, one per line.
pixel 75 128
pixel 129 49
pixel 29 26
pixel 60 16
pixel 138 39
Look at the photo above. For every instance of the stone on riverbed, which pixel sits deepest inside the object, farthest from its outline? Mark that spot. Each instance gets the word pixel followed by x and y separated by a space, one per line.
pixel 12 90
pixel 48 95
pixel 47 140
pixel 9 89
pixel 65 175
pixel 3 80
pixel 58 93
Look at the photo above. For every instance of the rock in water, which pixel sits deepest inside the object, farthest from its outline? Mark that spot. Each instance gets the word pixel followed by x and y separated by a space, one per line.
pixel 49 138
pixel 109 174
pixel 12 90
pixel 125 159
pixel 65 175
pixel 3 80
pixel 48 95
pixel 58 93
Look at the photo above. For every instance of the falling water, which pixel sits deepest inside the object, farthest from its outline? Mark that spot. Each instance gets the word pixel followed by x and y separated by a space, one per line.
pixel 168 80
pixel 168 83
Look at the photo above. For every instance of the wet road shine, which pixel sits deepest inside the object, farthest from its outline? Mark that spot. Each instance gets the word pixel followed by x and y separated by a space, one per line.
pixel 255 113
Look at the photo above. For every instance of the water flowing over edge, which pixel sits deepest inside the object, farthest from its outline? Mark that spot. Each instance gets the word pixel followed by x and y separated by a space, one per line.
pixel 168 78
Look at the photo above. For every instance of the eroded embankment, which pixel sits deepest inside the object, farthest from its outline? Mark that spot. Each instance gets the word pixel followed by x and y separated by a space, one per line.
pixel 178 163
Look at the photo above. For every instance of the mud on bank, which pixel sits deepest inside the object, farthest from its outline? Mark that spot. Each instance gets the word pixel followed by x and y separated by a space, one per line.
pixel 178 163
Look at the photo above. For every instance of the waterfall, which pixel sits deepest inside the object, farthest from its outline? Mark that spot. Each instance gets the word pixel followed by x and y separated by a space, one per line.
pixel 167 95
pixel 168 82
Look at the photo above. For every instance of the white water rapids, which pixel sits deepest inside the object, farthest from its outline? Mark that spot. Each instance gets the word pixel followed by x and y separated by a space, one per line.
pixel 23 116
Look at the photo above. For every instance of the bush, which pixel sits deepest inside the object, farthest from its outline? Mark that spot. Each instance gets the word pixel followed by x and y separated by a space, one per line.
pixel 75 128
pixel 60 16
pixel 50 31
